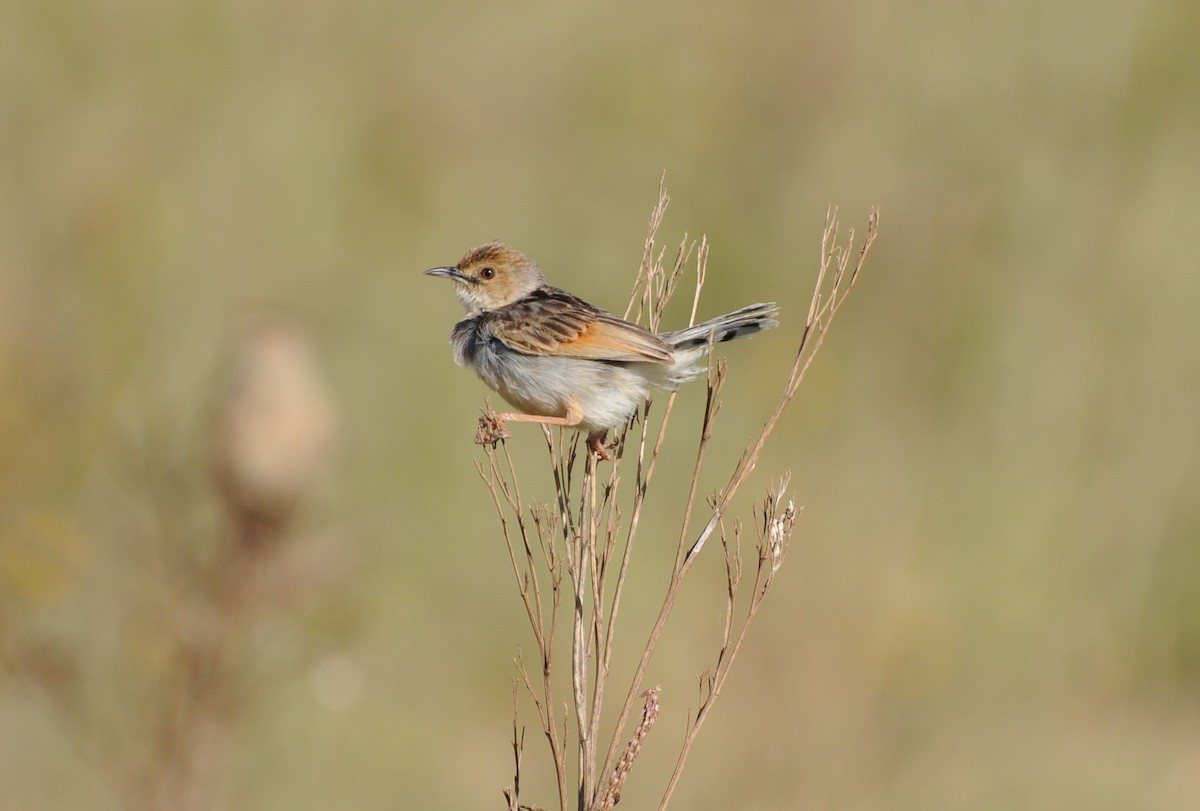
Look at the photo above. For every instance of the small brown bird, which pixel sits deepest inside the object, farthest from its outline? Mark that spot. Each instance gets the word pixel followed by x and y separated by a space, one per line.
pixel 561 361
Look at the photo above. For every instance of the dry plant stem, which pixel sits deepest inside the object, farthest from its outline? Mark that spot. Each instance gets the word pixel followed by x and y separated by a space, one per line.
pixel 822 308
pixel 835 278
pixel 513 794
pixel 715 382
pixel 648 259
pixel 770 554
pixel 507 499
pixel 602 622
pixel 645 470
pixel 578 538
pixel 584 545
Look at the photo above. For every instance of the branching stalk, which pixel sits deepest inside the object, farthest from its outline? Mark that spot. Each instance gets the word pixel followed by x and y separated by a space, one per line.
pixel 585 536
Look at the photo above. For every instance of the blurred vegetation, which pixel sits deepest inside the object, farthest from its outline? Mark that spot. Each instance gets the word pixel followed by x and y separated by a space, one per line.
pixel 993 596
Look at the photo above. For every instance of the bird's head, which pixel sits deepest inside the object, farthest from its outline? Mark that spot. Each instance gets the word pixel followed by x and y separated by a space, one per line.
pixel 492 276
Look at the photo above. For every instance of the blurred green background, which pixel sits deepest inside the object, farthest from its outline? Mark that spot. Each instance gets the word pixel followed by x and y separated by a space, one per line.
pixel 993 597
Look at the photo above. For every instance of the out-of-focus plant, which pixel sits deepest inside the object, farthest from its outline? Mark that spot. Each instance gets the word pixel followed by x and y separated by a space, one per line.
pixel 211 567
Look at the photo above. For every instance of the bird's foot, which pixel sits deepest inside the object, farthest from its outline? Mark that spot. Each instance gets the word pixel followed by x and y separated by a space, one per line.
pixel 595 443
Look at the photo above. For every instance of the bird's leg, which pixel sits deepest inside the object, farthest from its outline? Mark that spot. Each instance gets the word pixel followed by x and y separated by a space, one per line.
pixel 494 422
pixel 566 422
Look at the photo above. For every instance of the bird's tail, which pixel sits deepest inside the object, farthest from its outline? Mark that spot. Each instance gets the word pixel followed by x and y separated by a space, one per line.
pixel 690 345
pixel 737 324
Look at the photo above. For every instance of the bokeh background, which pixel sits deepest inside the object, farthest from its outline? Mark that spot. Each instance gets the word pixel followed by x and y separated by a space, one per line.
pixel 993 599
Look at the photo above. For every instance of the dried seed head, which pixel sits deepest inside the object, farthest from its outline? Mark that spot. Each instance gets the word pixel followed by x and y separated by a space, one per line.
pixel 276 426
pixel 612 792
pixel 779 529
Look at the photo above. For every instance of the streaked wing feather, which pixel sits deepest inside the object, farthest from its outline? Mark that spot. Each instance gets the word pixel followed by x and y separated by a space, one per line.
pixel 553 322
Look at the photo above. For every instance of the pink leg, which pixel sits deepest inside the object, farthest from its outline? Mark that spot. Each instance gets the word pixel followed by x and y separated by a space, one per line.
pixel 595 440
pixel 569 421
pixel 572 418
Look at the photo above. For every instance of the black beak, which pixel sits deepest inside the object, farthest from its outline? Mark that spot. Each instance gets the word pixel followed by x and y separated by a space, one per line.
pixel 449 273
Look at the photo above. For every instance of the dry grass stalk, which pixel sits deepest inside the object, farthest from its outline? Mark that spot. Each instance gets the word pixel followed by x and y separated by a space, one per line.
pixel 580 547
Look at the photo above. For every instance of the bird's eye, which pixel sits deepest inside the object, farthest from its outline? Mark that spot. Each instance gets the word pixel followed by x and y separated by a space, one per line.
pixel 487 273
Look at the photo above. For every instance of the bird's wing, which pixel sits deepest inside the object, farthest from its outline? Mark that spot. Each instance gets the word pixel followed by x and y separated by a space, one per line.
pixel 552 322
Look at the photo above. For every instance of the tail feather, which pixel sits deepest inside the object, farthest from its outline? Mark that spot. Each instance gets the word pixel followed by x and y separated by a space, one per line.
pixel 737 324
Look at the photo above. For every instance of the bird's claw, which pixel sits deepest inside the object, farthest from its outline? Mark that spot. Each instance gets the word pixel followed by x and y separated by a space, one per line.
pixel 595 443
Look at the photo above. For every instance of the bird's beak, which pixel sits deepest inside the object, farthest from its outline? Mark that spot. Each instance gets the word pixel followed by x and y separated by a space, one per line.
pixel 449 273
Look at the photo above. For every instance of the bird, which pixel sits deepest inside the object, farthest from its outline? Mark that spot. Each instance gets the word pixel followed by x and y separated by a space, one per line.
pixel 561 361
